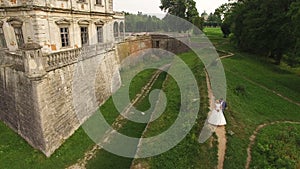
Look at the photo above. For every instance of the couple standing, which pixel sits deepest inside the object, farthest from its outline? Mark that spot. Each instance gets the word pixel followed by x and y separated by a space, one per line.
pixel 217 117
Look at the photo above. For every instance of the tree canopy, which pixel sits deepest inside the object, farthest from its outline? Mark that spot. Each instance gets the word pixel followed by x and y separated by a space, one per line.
pixel 268 27
pixel 185 9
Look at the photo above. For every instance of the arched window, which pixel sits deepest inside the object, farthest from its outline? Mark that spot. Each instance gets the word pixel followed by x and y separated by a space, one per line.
pixel 122 29
pixel 116 29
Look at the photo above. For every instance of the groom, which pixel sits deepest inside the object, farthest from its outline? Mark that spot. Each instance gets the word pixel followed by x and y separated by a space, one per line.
pixel 223 104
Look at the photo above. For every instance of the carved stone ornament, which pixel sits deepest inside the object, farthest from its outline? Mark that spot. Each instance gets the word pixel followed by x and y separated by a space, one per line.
pixel 83 22
pixel 63 22
pixel 15 22
pixel 99 23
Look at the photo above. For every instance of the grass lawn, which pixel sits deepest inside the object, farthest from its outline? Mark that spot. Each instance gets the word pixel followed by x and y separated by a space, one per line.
pixel 188 153
pixel 105 159
pixel 16 153
pixel 250 103
pixel 277 146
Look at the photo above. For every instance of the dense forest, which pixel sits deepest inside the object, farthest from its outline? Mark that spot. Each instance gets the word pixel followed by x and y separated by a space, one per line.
pixel 268 28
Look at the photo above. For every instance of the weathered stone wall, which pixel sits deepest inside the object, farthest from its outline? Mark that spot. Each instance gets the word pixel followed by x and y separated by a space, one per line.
pixel 18 105
pixel 42 109
pixel 56 92
pixel 133 45
pixel 176 44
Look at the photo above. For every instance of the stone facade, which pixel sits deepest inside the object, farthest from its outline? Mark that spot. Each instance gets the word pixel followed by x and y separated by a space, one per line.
pixel 59 25
pixel 46 52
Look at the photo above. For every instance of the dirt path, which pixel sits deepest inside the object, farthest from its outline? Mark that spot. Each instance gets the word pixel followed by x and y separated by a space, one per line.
pixel 220 131
pixel 119 122
pixel 253 137
pixel 229 54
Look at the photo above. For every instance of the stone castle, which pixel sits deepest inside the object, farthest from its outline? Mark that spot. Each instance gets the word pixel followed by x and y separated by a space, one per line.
pixel 43 43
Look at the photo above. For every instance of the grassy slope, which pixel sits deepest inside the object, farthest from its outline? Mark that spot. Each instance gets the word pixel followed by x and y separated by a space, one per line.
pixel 253 105
pixel 188 153
pixel 105 159
pixel 15 153
pixel 277 146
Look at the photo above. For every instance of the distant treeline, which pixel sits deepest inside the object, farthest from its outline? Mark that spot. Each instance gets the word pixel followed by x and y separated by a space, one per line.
pixel 143 23
pixel 147 23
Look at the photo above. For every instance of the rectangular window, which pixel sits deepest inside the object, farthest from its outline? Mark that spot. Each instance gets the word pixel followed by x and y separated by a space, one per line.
pixel 19 36
pixel 157 44
pixel 100 34
pixel 84 35
pixel 99 2
pixel 2 39
pixel 64 36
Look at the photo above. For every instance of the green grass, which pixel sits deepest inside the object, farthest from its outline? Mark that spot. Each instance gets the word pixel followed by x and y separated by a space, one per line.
pixel 277 146
pixel 105 159
pixel 16 153
pixel 250 104
pixel 188 153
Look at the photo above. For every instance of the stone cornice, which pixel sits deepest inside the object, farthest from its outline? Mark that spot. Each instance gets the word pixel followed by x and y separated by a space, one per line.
pixel 15 22
pixel 99 23
pixel 83 22
pixel 63 22
pixel 58 10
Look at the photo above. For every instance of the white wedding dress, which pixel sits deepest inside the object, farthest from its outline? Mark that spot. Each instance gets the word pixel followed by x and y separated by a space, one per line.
pixel 217 117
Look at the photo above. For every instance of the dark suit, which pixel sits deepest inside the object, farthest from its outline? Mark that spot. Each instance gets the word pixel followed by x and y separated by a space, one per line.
pixel 224 105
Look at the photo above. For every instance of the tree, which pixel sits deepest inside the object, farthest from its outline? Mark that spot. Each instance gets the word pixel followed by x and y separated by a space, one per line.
pixel 198 23
pixel 223 13
pixel 225 27
pixel 262 27
pixel 293 56
pixel 185 9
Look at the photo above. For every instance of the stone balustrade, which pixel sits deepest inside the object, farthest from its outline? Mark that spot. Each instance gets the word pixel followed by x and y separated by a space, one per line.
pixel 63 58
pixel 60 59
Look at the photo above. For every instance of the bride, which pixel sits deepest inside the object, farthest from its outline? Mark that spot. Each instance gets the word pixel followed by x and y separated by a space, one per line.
pixel 217 117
